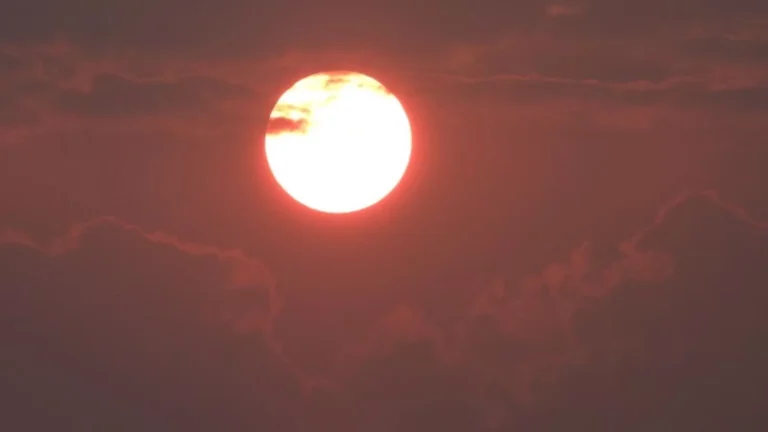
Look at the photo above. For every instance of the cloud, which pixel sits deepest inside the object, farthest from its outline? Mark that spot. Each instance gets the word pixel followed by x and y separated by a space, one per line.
pixel 402 326
pixel 233 28
pixel 635 18
pixel 521 333
pixel 22 92
pixel 701 49
pixel 280 125
pixel 682 94
pixel 243 273
pixel 550 299
pixel 400 379
pixel 331 35
pixel 38 104
pixel 686 341
pixel 147 327
pixel 10 63
pixel 728 49
pixel 524 345
pixel 562 10
pixel 112 327
pixel 113 95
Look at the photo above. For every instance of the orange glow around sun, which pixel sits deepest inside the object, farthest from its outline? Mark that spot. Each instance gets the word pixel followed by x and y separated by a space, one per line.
pixel 338 142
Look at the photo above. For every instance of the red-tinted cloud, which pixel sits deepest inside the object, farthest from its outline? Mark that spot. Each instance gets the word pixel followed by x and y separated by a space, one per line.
pixel 133 321
pixel 524 337
pixel 243 273
pixel 108 287
pixel 279 125
pixel 561 10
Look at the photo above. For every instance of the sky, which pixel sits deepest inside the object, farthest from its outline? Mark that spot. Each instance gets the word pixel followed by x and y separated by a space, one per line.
pixel 579 243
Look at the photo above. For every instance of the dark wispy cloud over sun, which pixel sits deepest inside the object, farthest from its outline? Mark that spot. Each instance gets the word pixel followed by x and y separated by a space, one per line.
pixel 580 240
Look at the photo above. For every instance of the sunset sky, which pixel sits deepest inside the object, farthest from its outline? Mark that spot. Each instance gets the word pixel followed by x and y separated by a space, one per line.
pixel 580 242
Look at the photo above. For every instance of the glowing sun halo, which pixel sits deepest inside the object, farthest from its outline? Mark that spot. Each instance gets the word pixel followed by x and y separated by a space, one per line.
pixel 338 142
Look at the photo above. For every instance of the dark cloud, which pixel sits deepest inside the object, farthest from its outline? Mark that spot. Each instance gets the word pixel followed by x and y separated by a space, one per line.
pixel 604 68
pixel 637 18
pixel 402 379
pixel 678 93
pixel 681 353
pixel 644 336
pixel 237 27
pixel 728 49
pixel 112 327
pixel 240 28
pixel 278 125
pixel 10 63
pixel 240 271
pixel 167 327
pixel 25 103
pixel 339 79
pixel 401 34
pixel 44 104
pixel 112 95
pixel 100 25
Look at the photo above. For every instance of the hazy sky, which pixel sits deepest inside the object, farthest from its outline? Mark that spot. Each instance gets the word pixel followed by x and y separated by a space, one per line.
pixel 580 242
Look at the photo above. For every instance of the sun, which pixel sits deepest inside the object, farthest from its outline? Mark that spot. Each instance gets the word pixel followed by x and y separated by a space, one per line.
pixel 338 142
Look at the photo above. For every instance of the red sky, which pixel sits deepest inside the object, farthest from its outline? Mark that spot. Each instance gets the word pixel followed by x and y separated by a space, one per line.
pixel 579 242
